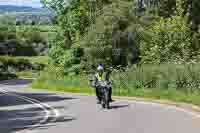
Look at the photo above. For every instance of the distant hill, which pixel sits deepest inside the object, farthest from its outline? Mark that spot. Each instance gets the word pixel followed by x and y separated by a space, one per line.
pixel 10 8
pixel 25 15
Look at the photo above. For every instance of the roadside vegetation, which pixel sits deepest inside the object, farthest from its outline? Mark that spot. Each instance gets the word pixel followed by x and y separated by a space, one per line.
pixel 154 49
pixel 178 83
pixel 21 67
pixel 24 50
pixel 25 40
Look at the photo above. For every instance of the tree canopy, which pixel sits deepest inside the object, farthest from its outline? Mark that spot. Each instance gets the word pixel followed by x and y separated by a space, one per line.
pixel 112 32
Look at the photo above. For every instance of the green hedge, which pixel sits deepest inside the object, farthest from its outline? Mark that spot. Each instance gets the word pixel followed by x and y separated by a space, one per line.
pixel 7 76
pixel 14 64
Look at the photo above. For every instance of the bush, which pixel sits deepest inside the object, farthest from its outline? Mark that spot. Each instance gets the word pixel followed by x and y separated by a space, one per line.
pixel 32 38
pixel 22 41
pixel 19 64
pixel 170 42
pixel 7 76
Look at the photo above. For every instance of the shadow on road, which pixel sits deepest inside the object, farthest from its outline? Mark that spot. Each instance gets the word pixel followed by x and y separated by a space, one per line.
pixel 8 100
pixel 16 120
pixel 118 106
pixel 17 114
pixel 16 82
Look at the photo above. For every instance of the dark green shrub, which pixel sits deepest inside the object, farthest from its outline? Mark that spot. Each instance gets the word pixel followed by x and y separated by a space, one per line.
pixel 7 76
pixel 78 52
pixel 19 64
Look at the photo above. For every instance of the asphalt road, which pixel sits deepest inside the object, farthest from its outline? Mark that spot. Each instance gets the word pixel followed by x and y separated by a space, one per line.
pixel 23 110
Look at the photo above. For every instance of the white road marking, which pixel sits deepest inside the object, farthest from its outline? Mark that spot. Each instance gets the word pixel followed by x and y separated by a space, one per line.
pixel 179 109
pixel 45 107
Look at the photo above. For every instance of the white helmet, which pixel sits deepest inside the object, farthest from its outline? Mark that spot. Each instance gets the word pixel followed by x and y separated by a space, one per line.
pixel 100 68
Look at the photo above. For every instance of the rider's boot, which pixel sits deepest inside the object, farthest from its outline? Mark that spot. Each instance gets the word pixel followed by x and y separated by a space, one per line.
pixel 98 101
pixel 110 96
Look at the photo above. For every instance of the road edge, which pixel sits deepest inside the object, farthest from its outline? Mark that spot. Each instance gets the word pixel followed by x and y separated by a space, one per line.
pixel 186 106
pixel 181 105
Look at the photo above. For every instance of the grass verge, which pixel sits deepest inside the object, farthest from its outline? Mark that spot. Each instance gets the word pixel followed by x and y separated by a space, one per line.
pixel 156 94
pixel 31 59
pixel 61 86
pixel 26 74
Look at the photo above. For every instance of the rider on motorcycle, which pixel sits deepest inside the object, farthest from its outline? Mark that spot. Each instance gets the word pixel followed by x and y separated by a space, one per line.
pixel 99 76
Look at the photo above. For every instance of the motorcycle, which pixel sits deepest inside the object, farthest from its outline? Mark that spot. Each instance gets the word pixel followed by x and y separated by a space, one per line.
pixel 104 87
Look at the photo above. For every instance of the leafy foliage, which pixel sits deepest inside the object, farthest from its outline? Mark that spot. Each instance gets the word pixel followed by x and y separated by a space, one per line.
pixel 167 8
pixel 24 40
pixel 170 42
pixel 117 36
pixel 192 8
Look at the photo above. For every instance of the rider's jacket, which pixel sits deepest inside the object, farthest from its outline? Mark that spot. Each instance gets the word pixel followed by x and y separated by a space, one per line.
pixel 99 77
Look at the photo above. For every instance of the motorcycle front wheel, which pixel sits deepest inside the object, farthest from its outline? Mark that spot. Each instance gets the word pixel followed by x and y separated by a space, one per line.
pixel 107 102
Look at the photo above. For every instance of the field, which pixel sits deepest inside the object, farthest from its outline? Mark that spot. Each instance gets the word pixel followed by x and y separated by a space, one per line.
pixel 46 31
pixel 41 28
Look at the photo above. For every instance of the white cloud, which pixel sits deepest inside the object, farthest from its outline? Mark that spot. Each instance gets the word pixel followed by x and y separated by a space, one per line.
pixel 33 3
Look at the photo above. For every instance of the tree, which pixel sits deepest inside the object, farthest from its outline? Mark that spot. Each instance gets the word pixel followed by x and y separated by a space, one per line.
pixel 170 42
pixel 192 8
pixel 56 5
pixel 72 19
pixel 167 8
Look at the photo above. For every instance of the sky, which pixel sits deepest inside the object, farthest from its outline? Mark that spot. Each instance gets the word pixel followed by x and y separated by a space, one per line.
pixel 31 3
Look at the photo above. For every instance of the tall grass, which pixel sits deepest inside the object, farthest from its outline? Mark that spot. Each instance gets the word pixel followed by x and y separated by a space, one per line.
pixel 182 77
pixel 32 59
pixel 174 82
pixel 50 81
